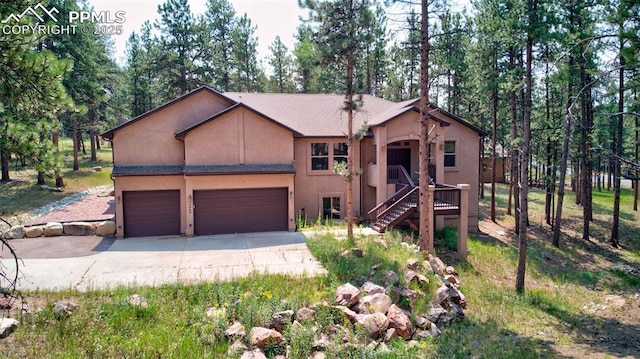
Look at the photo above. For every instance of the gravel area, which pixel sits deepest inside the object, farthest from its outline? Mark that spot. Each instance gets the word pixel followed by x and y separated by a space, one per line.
pixel 90 205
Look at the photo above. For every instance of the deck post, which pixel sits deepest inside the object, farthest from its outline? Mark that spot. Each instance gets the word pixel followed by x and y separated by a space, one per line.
pixel 431 215
pixel 463 220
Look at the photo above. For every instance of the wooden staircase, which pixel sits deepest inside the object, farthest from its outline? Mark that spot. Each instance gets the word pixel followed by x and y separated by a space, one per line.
pixel 395 209
pixel 404 203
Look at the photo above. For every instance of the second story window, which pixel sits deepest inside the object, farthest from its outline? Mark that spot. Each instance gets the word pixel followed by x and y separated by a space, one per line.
pixel 320 156
pixel 340 152
pixel 449 153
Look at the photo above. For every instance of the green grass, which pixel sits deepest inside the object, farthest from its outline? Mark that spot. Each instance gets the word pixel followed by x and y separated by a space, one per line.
pixel 22 194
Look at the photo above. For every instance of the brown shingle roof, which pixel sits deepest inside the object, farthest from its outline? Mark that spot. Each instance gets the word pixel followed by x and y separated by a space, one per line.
pixel 313 114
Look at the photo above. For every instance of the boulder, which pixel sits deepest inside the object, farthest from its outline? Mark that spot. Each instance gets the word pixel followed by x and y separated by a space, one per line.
pixel 442 294
pixel 437 265
pixel 391 278
pixel 375 323
pixel 7 326
pixel 280 320
pixel 411 275
pixel 413 264
pixel 63 309
pixel 33 232
pixel 305 314
pixel 376 303
pixel 260 337
pixel 371 288
pixel 398 320
pixel 79 229
pixel 347 295
pixel 16 232
pixel 350 314
pixel 450 271
pixel 53 229
pixel 236 330
pixel 254 354
pixel 106 228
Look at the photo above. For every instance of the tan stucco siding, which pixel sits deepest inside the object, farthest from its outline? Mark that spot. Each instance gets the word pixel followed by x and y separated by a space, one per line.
pixel 466 170
pixel 151 140
pixel 196 183
pixel 147 183
pixel 239 137
pixel 312 186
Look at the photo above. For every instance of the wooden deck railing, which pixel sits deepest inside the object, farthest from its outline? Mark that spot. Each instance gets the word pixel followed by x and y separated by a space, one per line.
pixel 446 199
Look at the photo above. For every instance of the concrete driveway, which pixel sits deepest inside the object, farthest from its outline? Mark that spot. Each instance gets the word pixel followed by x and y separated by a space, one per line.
pixel 154 261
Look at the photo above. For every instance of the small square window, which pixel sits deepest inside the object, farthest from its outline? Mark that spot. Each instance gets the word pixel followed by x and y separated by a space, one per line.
pixel 449 153
pixel 340 152
pixel 331 208
pixel 319 156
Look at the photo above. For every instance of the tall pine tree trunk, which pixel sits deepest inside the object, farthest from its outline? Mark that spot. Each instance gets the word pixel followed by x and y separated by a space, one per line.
pixel 426 242
pixel 615 240
pixel 350 148
pixel 524 168
pixel 494 125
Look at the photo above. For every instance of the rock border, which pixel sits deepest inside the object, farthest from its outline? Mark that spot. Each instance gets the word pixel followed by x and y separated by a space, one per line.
pixel 56 229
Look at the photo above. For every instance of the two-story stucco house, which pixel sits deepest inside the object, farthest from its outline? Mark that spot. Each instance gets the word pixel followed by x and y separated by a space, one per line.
pixel 213 163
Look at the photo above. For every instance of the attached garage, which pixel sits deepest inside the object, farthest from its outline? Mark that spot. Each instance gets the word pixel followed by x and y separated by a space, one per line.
pixel 240 210
pixel 151 213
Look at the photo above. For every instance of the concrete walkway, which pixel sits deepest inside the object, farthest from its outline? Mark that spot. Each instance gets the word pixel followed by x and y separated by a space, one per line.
pixel 155 261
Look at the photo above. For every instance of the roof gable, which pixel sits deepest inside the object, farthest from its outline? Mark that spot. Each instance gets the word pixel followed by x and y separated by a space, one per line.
pixel 182 134
pixel 110 133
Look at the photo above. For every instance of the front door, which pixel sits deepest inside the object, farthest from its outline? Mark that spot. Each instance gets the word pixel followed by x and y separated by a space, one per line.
pixel 400 156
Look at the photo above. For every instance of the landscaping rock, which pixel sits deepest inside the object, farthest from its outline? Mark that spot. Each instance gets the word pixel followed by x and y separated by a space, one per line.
pixel 305 314
pixel 16 232
pixel 7 326
pixel 413 264
pixel 398 320
pixel 437 265
pixel 63 309
pixel 53 229
pixel 370 288
pixel 136 300
pixel 376 303
pixel 375 323
pixel 236 330
pixel 450 278
pixel 347 295
pixel 321 343
pixel 350 314
pixel 442 295
pixel 410 276
pixel 318 355
pixel 79 229
pixel 254 354
pixel 391 278
pixel 260 337
pixel 450 271
pixel 106 228
pixel 33 232
pixel 280 320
